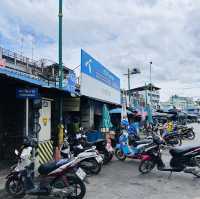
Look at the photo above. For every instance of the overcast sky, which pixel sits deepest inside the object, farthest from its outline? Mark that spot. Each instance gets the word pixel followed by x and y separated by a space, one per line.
pixel 118 33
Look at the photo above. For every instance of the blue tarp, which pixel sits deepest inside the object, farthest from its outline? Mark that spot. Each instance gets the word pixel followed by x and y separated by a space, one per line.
pixel 93 136
pixel 118 111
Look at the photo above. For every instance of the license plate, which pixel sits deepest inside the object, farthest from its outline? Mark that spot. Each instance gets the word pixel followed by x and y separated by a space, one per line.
pixel 99 159
pixel 81 174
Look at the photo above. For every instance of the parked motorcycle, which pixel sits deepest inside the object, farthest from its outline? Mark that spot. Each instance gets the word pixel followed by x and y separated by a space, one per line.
pixel 172 138
pixel 100 144
pixel 88 159
pixel 186 132
pixel 134 151
pixel 60 179
pixel 169 138
pixel 186 159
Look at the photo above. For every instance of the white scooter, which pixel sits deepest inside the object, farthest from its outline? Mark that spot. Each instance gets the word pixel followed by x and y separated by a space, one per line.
pixel 89 159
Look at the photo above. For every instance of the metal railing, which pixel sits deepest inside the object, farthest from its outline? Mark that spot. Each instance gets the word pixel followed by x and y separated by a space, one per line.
pixel 43 69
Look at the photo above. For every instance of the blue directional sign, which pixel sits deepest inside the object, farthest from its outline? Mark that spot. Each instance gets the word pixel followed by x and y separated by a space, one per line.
pixel 96 70
pixel 24 93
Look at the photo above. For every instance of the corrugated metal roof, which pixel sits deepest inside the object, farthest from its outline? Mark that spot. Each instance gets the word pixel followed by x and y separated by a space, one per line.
pixel 19 75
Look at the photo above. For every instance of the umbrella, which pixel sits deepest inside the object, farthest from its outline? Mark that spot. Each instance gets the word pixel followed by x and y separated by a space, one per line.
pixel 119 111
pixel 106 121
pixel 149 114
pixel 123 109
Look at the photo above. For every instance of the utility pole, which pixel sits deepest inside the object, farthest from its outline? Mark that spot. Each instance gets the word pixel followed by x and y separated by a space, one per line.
pixel 60 15
pixel 129 87
pixel 131 72
pixel 150 85
pixel 60 126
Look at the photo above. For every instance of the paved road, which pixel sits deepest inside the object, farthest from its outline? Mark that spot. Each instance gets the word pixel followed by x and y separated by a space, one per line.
pixel 121 180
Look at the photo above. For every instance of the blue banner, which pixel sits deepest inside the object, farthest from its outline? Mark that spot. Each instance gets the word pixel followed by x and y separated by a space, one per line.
pixel 93 68
pixel 71 82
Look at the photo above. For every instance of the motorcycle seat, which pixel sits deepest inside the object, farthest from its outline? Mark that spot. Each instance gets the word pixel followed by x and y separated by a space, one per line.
pixel 47 168
pixel 182 149
pixel 143 142
pixel 78 150
pixel 97 141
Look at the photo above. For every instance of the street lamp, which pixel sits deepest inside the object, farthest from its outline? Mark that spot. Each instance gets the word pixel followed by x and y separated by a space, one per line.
pixel 131 72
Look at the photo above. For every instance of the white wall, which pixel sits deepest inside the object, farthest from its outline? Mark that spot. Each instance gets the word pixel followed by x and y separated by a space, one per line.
pixel 93 88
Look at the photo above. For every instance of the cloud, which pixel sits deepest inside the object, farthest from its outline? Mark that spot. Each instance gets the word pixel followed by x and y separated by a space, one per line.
pixel 120 34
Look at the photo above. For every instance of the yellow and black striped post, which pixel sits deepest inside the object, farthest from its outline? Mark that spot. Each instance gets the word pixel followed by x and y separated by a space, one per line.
pixel 44 152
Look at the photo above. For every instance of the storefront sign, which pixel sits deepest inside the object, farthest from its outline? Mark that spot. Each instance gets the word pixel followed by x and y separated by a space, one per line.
pixel 30 93
pixel 97 81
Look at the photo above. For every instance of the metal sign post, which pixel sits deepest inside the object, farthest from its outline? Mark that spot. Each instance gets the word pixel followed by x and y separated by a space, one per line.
pixel 27 116
pixel 27 93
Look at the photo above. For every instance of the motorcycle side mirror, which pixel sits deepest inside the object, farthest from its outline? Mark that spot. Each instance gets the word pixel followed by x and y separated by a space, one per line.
pixel 16 152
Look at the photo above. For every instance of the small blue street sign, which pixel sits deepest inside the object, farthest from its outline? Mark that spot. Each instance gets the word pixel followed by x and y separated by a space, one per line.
pixel 30 93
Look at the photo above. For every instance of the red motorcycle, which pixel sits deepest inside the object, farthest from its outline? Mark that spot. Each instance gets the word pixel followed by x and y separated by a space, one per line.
pixel 186 159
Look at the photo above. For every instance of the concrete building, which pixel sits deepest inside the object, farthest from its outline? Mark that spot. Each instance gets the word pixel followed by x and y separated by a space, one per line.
pixel 180 102
pixel 29 103
pixel 148 94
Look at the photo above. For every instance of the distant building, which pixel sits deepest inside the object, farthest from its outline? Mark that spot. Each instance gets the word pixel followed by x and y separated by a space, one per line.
pixel 181 103
pixel 148 94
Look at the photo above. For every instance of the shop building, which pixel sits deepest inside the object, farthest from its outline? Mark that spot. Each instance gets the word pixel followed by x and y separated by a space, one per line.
pixel 20 78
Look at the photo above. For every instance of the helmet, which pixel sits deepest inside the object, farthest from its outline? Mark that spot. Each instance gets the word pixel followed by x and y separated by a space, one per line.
pixel 124 123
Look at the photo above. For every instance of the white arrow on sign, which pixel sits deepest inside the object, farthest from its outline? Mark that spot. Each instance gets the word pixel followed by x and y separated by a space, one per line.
pixel 88 64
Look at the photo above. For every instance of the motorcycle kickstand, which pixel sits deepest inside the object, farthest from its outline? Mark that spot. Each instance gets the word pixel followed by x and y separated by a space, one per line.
pixel 170 175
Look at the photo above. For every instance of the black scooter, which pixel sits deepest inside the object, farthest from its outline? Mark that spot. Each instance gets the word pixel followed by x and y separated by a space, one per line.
pixel 186 132
pixel 186 159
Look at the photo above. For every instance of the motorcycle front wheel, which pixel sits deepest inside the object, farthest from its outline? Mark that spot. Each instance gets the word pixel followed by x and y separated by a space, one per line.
pixel 146 166
pixel 15 187
pixel 91 166
pixel 106 157
pixel 96 168
pixel 110 156
pixel 120 155
pixel 79 188
pixel 191 135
